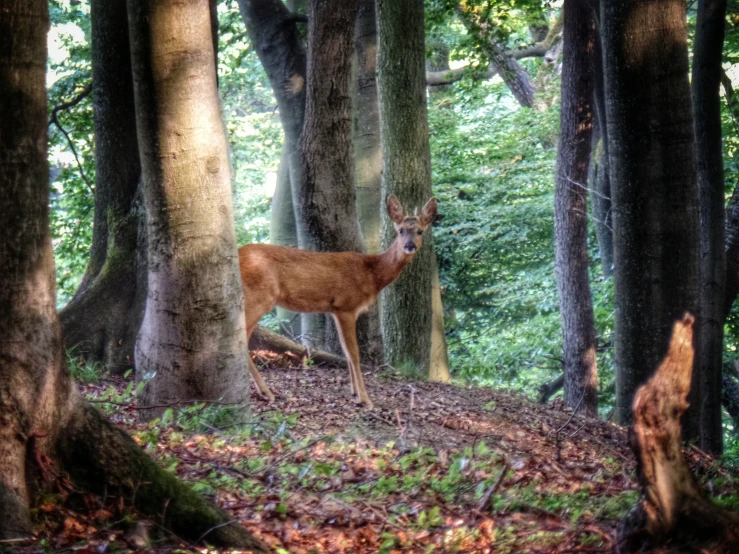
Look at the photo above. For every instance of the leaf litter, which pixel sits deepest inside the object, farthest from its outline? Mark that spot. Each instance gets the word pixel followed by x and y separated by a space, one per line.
pixel 433 468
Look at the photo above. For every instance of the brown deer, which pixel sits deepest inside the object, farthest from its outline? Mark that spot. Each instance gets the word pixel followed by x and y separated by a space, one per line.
pixel 344 284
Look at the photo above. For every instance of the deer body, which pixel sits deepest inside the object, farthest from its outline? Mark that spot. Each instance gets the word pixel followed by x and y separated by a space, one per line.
pixel 344 284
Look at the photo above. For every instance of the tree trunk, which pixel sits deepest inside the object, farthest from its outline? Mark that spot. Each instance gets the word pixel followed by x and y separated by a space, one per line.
pixel 44 420
pixel 439 357
pixel 406 172
pixel 706 83
pixel 654 196
pixel 101 322
pixel 570 209
pixel 275 36
pixel 600 181
pixel 282 232
pixel 673 511
pixel 368 164
pixel 326 193
pixel 192 342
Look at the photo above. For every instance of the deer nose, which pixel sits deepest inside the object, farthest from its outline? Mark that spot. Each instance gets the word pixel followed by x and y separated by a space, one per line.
pixel 410 247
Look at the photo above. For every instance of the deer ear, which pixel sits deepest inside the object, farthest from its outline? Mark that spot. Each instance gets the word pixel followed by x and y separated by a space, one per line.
pixel 428 213
pixel 394 209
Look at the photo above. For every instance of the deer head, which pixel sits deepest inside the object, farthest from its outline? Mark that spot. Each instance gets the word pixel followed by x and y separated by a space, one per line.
pixel 410 228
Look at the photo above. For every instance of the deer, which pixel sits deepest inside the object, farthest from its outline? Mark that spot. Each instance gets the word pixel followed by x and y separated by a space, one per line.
pixel 343 284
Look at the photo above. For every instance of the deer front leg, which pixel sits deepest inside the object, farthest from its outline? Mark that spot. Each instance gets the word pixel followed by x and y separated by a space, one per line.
pixel 347 326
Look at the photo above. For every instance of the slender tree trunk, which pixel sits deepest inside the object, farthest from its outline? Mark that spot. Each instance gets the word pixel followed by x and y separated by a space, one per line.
pixel 514 76
pixel 44 420
pixel 570 209
pixel 368 164
pixel 706 82
pixel 103 318
pixel 600 181
pixel 406 163
pixel 655 212
pixel 282 232
pixel 192 343
pixel 439 358
pixel 275 36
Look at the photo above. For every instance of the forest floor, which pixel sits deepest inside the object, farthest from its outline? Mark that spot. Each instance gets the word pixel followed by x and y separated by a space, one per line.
pixel 433 468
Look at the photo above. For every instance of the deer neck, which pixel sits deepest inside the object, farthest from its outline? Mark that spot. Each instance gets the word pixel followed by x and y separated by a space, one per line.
pixel 390 264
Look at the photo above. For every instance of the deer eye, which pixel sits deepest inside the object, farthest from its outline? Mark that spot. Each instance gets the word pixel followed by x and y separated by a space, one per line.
pixel 420 232
pixel 401 231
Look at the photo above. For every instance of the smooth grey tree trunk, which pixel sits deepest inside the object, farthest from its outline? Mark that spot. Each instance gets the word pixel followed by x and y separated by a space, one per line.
pixel 654 193
pixel 570 209
pixel 406 163
pixel 102 320
pixel 706 82
pixel 192 342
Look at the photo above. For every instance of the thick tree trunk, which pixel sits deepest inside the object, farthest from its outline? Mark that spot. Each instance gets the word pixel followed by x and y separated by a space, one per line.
pixel 406 161
pixel 326 193
pixel 570 209
pixel 706 82
pixel 673 511
pixel 600 180
pixel 103 318
pixel 192 342
pixel 43 416
pixel 655 213
pixel 30 338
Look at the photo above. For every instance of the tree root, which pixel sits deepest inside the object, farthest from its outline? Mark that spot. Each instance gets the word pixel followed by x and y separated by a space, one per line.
pixel 105 460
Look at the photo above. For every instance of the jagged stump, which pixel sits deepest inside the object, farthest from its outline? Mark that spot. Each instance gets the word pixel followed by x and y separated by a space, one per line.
pixel 672 515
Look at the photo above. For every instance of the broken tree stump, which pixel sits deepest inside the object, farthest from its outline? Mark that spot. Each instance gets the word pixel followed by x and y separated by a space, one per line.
pixel 673 514
pixel 265 339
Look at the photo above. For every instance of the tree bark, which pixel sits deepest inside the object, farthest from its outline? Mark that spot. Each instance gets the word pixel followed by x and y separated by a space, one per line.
pixel 101 322
pixel 368 164
pixel 43 417
pixel 654 196
pixel 570 209
pixel 283 232
pixel 706 83
pixel 192 342
pixel 600 181
pixel 326 193
pixel 673 511
pixel 439 357
pixel 406 172
pixel 274 34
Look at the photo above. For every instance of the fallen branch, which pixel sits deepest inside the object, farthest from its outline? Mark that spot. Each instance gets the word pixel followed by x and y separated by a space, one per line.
pixel 264 339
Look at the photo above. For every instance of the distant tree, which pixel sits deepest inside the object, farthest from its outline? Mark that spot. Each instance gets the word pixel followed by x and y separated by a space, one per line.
pixel 706 82
pixel 654 195
pixel 192 342
pixel 570 209
pixel 599 177
pixel 406 162
pixel 102 319
pixel 45 420
pixel 367 162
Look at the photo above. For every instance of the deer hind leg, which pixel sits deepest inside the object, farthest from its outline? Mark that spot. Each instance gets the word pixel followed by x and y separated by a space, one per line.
pixel 252 317
pixel 347 326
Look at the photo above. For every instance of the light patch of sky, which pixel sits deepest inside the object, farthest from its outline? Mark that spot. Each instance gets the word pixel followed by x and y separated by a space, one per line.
pixel 58 52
